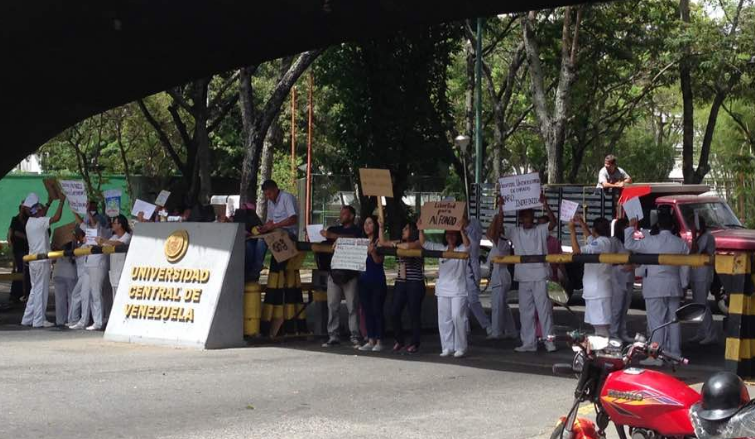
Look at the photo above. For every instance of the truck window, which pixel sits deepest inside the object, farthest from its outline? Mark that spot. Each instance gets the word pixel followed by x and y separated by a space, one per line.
pixel 717 215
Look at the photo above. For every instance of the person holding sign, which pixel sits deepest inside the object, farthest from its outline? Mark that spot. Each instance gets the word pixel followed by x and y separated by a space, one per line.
pixel 502 320
pixel 373 289
pixel 622 285
pixel 37 234
pixel 282 213
pixel 409 288
pixel 701 278
pixel 597 278
pixel 97 267
pixel 663 285
pixel 121 236
pixel 532 239
pixel 64 277
pixel 342 284
pixel 451 291
pixel 81 289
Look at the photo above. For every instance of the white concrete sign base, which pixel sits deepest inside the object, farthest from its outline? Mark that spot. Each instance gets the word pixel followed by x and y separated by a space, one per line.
pixel 182 285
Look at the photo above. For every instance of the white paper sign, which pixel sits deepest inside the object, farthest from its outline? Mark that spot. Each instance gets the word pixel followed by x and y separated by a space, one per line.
pixel 567 210
pixel 350 254
pixel 76 193
pixel 520 192
pixel 144 207
pixel 633 209
pixel 112 202
pixel 162 198
pixel 91 236
pixel 313 233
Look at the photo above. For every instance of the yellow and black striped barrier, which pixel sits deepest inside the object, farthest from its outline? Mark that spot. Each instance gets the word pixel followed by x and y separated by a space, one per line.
pixel 84 251
pixel 736 274
pixel 611 258
pixel 388 251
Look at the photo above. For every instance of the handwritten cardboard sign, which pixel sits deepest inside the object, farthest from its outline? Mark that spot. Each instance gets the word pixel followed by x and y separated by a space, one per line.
pixel 280 245
pixel 350 254
pixel 520 192
pixel 376 182
pixel 442 215
pixel 567 210
pixel 53 188
pixel 62 235
pixel 76 193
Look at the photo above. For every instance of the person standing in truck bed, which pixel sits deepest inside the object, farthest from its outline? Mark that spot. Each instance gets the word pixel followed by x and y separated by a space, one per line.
pixel 612 176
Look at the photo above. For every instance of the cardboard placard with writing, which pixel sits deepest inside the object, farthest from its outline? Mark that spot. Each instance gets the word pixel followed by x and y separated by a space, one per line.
pixel 280 245
pixel 350 254
pixel 62 236
pixel 76 194
pixel 376 182
pixel 53 188
pixel 442 215
pixel 520 192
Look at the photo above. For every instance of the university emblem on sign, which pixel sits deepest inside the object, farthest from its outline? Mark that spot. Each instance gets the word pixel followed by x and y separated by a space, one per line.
pixel 176 245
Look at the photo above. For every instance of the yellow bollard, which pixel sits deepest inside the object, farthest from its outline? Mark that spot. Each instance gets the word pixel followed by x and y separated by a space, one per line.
pixel 252 308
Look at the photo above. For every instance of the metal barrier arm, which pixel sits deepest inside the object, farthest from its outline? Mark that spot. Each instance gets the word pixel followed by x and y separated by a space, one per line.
pixel 97 250
pixel 612 258
pixel 387 251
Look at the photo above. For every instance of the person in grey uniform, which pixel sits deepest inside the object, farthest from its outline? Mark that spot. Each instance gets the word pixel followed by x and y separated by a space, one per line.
pixel 700 279
pixel 663 285
pixel 474 232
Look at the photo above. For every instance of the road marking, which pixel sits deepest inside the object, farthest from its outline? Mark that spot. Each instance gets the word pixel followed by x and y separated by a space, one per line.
pixel 586 410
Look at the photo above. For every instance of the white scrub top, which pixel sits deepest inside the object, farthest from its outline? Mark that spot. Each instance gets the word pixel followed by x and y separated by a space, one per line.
pixel 597 278
pixel 533 241
pixel 451 273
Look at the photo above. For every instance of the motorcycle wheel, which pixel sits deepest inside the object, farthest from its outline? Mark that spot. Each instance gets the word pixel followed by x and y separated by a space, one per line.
pixel 558 432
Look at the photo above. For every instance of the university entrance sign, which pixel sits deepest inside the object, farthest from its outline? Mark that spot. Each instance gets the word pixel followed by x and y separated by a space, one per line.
pixel 182 285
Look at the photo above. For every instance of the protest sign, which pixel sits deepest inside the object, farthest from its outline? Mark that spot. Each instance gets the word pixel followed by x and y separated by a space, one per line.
pixel 442 215
pixel 376 182
pixel 112 202
pixel 520 192
pixel 53 188
pixel 146 208
pixel 91 236
pixel 567 210
pixel 281 245
pixel 76 193
pixel 633 209
pixel 162 198
pixel 313 233
pixel 62 236
pixel 350 254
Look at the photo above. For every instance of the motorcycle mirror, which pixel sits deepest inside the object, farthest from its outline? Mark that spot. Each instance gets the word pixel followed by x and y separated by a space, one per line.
pixel 558 296
pixel 693 312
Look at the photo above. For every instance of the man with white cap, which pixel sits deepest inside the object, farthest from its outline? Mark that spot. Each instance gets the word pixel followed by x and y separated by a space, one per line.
pixel 37 228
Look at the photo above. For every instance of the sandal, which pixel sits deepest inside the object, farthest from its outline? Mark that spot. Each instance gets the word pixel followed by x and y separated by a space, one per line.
pixel 398 347
pixel 412 349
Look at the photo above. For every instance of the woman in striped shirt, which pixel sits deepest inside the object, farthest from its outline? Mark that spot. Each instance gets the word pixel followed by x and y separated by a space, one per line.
pixel 409 288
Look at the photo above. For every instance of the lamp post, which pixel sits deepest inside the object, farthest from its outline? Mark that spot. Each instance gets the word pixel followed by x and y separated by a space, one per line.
pixel 462 142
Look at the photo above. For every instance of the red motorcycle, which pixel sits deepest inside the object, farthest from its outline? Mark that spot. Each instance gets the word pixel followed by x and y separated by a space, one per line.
pixel 641 403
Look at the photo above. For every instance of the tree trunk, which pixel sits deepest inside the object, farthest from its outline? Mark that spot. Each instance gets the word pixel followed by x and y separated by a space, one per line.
pixel 688 111
pixel 272 141
pixel 263 120
pixel 703 165
pixel 202 140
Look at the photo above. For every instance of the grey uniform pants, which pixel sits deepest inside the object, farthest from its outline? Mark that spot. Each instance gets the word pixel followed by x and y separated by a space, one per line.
pixel 349 291
pixel 659 311
pixel 63 292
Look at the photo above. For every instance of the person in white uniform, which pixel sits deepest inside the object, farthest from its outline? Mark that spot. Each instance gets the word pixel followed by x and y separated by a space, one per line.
pixel 662 285
pixel 474 232
pixel 121 236
pixel 501 320
pixel 64 276
pixel 81 289
pixel 622 285
pixel 700 280
pixel 532 239
pixel 597 278
pixel 97 267
pixel 37 233
pixel 451 291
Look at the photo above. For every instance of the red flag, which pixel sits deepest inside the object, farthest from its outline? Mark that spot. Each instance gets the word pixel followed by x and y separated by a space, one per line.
pixel 633 191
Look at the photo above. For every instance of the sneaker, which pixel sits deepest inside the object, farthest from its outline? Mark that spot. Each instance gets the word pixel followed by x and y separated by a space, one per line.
pixel 459 354
pixel 78 326
pixel 46 324
pixel 93 328
pixel 550 346
pixel 489 331
pixel 652 362
pixel 367 347
pixel 445 353
pixel 355 343
pixel 378 347
pixel 525 349
pixel 709 341
pixel 492 336
pixel 331 342
pixel 398 347
pixel 512 336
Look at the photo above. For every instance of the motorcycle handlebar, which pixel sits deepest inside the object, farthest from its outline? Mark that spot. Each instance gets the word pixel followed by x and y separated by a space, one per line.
pixel 674 358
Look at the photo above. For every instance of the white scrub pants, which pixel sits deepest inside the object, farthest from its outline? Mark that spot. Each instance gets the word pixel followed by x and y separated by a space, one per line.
pixel 621 298
pixel 502 321
pixel 36 305
pixel 534 296
pixel 659 311
pixel 473 294
pixel 452 323
pixel 92 302
pixel 77 296
pixel 63 292
pixel 700 291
